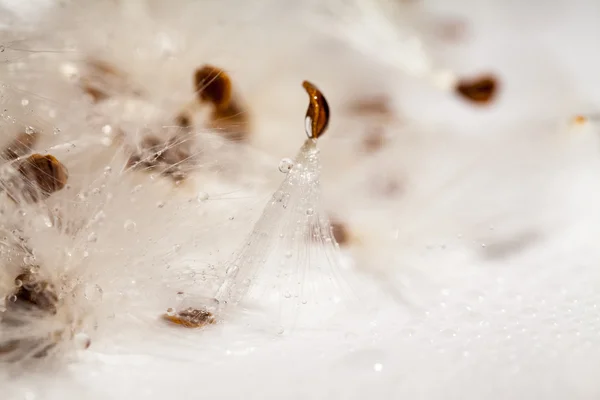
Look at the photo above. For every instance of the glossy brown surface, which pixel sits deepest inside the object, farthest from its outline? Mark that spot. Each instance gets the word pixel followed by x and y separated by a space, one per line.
pixel 317 114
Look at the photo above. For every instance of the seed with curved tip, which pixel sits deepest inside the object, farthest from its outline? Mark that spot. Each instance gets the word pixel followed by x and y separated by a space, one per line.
pixel 317 114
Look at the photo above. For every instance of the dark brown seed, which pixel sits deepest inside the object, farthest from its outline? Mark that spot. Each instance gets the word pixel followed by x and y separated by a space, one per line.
pixel 317 114
pixel 229 117
pixel 38 176
pixel 481 90
pixel 43 175
pixel 213 85
pixel 20 146
pixel 191 318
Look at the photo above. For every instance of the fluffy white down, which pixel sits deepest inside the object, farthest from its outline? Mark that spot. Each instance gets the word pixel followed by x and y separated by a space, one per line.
pixel 472 255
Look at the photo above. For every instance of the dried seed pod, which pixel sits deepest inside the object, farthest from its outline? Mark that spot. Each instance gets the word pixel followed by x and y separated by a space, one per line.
pixel 481 90
pixel 38 176
pixel 20 146
pixel 191 318
pixel 317 114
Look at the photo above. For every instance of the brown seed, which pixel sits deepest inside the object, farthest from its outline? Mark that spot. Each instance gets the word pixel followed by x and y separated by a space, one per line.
pixel 481 90
pixel 38 176
pixel 43 175
pixel 191 318
pixel 20 146
pixel 317 114
pixel 229 117
pixel 213 85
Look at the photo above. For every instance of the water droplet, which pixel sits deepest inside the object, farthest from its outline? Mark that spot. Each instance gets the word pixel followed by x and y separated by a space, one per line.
pixel 285 165
pixel 18 283
pixel 170 312
pixel 29 130
pixel 202 196
pixel 2 48
pixel 310 211
pixel 377 367
pixel 231 218
pixel 160 204
pixel 24 102
pixel 288 254
pixel 287 295
pixel 12 298
pixel 280 331
pixel 56 131
pixel 107 129
pixel 129 225
pixel 136 188
pixel 106 142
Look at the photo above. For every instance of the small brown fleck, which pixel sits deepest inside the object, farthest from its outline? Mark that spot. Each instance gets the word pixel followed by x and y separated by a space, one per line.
pixel 377 106
pixel 374 140
pixel 95 94
pixel 580 120
pixel 452 30
pixel 480 90
pixel 20 146
pixel 183 121
pixel 317 114
pixel 191 318
pixel 340 232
